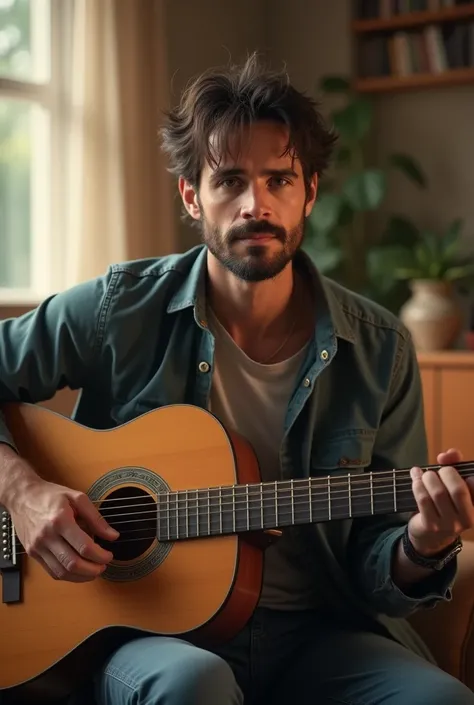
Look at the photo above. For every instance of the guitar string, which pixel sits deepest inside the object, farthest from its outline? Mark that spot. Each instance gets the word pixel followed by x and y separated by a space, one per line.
pixel 201 504
pixel 334 481
pixel 283 510
pixel 201 494
pixel 212 532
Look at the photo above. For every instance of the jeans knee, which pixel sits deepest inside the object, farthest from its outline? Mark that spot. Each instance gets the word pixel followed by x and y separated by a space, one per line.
pixel 166 671
pixel 444 690
pixel 203 679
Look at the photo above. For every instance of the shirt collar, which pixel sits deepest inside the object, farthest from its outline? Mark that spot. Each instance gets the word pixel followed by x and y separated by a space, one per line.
pixel 191 293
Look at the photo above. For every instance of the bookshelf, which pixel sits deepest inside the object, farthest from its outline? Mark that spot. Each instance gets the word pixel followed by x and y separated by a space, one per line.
pixel 404 45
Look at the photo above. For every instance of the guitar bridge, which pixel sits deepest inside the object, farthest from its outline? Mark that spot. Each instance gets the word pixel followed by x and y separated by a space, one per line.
pixel 9 565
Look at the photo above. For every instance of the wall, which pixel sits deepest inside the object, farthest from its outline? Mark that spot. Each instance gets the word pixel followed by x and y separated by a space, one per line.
pixel 434 126
pixel 204 33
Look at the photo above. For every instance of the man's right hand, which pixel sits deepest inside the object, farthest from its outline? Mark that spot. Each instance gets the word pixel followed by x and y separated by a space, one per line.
pixel 45 517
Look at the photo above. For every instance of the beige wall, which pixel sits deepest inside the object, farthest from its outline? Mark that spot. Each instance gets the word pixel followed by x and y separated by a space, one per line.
pixel 204 33
pixel 434 126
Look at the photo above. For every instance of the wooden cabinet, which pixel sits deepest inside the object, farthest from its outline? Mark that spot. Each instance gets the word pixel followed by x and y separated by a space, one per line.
pixel 448 397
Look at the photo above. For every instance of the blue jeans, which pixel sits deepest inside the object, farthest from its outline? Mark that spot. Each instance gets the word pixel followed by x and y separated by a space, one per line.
pixel 279 658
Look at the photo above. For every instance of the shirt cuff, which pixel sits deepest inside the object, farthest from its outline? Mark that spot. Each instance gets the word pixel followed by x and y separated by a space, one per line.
pixel 425 593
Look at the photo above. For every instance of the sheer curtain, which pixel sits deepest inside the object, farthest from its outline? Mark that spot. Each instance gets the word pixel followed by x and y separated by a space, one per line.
pixel 118 198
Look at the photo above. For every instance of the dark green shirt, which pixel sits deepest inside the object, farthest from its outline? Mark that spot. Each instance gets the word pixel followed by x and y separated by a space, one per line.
pixel 136 339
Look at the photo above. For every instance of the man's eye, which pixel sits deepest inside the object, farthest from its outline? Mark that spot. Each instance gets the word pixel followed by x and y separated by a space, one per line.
pixel 280 181
pixel 230 183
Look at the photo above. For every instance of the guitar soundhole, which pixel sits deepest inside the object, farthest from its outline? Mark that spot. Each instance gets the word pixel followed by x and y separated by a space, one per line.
pixel 131 511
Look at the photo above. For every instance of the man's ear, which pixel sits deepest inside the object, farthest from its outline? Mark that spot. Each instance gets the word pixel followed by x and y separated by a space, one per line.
pixel 190 198
pixel 311 194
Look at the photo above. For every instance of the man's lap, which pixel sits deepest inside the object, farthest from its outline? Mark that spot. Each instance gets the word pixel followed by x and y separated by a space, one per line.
pixel 280 658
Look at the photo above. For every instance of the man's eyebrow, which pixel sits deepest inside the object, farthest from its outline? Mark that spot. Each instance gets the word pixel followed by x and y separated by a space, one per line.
pixel 237 171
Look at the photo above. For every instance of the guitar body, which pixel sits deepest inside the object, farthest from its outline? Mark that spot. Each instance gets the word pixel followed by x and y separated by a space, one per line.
pixel 205 589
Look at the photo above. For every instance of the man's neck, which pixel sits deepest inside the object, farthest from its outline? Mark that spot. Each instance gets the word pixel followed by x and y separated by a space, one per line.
pixel 268 320
pixel 257 306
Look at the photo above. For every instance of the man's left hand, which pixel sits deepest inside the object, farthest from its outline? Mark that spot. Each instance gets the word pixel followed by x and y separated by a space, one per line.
pixel 445 502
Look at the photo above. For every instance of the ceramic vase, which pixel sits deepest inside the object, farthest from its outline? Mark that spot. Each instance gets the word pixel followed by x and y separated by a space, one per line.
pixel 432 315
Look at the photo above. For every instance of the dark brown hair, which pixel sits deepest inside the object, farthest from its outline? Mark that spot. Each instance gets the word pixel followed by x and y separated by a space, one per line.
pixel 221 101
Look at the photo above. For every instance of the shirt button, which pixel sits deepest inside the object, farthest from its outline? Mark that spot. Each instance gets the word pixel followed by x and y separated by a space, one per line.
pixel 306 382
pixel 204 366
pixel 324 355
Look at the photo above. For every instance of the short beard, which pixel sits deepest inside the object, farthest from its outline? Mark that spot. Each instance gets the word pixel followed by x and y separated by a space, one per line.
pixel 255 265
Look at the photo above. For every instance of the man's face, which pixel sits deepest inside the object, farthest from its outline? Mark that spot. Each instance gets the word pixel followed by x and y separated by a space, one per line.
pixel 252 207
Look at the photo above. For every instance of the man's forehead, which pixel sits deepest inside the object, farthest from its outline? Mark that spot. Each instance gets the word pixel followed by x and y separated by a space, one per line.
pixel 259 143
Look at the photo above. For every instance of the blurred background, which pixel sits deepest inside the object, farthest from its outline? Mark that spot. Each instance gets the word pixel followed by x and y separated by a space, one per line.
pixel 83 183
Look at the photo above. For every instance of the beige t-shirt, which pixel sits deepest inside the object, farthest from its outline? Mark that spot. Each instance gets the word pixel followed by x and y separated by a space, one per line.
pixel 252 399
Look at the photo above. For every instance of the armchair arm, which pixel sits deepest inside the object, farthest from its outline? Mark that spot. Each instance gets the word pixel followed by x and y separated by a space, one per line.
pixel 448 629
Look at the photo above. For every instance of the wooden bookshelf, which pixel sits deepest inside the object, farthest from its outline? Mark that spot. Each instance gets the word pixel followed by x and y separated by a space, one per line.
pixel 414 19
pixel 397 84
pixel 414 51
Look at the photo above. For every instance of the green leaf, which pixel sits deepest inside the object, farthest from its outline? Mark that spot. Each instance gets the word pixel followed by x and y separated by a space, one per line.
pixel 326 211
pixel 451 237
pixel 335 84
pixel 383 263
pixel 353 122
pixel 401 231
pixel 409 167
pixel 323 251
pixel 461 272
pixel 365 190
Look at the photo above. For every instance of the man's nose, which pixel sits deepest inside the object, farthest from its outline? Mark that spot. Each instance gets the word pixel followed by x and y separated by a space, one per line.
pixel 255 203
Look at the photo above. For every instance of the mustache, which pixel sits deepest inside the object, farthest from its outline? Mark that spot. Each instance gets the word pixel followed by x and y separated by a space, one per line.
pixel 256 227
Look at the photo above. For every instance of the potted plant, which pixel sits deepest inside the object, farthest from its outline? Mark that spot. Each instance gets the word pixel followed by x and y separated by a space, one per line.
pixel 433 268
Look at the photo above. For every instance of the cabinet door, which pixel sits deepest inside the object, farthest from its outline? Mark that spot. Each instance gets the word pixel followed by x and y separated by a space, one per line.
pixel 428 382
pixel 456 407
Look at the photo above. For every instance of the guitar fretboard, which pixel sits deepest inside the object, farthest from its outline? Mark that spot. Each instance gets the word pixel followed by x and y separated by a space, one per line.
pixel 241 508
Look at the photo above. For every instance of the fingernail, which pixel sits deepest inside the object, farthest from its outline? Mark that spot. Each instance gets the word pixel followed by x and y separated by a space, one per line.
pixel 113 532
pixel 416 473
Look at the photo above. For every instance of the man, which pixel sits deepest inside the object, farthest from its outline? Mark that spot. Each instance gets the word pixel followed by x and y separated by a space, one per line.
pixel 317 378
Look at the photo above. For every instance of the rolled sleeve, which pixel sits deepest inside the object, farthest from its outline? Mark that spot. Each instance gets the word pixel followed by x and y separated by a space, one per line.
pixel 373 541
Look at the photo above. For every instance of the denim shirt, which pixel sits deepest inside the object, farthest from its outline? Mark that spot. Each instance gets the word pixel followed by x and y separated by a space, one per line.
pixel 136 339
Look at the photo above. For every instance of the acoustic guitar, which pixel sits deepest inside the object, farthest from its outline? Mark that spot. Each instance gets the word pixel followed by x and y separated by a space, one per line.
pixel 187 498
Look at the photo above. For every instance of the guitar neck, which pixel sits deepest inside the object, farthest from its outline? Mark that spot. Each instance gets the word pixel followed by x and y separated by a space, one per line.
pixel 271 505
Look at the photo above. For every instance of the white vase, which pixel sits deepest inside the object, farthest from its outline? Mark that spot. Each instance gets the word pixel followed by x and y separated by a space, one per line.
pixel 432 315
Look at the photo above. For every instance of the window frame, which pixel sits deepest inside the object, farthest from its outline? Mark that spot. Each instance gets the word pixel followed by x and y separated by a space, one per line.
pixel 48 247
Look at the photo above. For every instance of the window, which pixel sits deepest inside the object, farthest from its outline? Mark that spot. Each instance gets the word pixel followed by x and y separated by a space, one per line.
pixel 32 38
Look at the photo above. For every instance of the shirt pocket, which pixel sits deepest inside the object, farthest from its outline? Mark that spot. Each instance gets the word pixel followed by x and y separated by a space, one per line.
pixel 348 450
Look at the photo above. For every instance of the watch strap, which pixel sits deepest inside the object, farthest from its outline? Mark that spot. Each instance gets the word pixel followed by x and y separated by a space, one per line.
pixel 437 562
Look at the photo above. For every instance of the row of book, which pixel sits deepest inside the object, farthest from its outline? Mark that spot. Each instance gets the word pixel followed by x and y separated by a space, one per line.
pixel 433 49
pixel 384 9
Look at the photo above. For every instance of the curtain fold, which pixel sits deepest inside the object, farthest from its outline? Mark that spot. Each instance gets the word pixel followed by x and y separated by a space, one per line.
pixel 118 197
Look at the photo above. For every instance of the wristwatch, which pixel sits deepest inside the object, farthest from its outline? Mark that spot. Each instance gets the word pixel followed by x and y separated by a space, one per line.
pixel 437 562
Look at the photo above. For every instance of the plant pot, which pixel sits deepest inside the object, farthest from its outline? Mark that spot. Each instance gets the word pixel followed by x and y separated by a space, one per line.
pixel 432 315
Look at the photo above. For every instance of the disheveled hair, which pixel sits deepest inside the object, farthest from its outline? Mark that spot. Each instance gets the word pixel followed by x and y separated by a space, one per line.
pixel 220 102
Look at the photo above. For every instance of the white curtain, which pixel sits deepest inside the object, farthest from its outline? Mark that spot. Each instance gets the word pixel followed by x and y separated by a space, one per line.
pixel 95 197
pixel 118 198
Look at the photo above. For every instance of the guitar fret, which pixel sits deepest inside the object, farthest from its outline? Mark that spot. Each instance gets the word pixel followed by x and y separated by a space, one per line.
pixel 177 515
pixel 247 499
pixel 276 503
pixel 349 498
pixel 292 502
pixel 220 509
pixel 233 509
pixel 329 498
pixel 187 513
pixel 261 506
pixel 208 512
pixel 310 501
pixel 371 493
pixel 394 491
